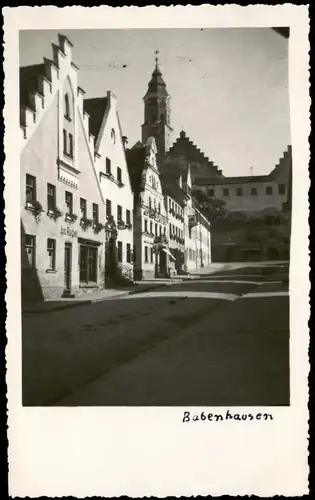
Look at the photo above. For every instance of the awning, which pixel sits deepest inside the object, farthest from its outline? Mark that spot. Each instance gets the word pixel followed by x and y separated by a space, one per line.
pixel 168 253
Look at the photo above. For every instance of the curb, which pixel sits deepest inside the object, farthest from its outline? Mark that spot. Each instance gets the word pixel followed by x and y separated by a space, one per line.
pixel 149 287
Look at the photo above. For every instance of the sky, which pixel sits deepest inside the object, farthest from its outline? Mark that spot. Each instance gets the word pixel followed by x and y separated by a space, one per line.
pixel 229 86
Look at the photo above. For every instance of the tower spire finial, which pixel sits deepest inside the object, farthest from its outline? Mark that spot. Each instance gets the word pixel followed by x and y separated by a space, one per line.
pixel 157 57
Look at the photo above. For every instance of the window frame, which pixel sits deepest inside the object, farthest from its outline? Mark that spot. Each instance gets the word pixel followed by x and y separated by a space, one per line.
pixel 51 249
pixel 128 253
pixel 119 175
pixel 119 213
pixel 281 189
pixel 31 245
pixel 108 166
pixel 83 205
pixel 119 251
pixel 32 188
pixel 108 204
pixel 69 212
pixel 51 197
pixel 95 213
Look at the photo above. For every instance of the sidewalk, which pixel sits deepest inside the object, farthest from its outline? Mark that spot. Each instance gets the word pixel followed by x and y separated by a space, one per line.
pixel 89 298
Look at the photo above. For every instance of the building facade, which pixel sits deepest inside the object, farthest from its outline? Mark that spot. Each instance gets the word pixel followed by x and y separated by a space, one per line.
pixel 150 217
pixel 115 184
pixel 252 194
pixel 62 207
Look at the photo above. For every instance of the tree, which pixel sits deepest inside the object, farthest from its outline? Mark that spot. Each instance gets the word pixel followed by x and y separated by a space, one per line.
pixel 212 208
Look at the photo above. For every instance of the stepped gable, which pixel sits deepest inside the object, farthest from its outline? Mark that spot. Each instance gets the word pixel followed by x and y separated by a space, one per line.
pixel 284 162
pixel 95 108
pixel 184 147
pixel 39 85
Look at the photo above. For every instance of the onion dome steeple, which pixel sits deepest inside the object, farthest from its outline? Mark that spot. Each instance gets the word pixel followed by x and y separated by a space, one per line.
pixel 157 111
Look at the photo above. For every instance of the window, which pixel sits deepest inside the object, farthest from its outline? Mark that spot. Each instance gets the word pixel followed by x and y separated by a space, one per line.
pixel 151 227
pixel 88 264
pixel 160 230
pixel 83 207
pixel 119 175
pixel 150 202
pixel 69 202
pixel 281 188
pixel 95 215
pixel 67 107
pixel 225 192
pixel 152 255
pixel 65 149
pixel 30 188
pixel 67 143
pixel 51 250
pixel 30 247
pixel 128 220
pixel 253 191
pixel 170 229
pixel 159 208
pixel 239 192
pixel 119 213
pixel 145 225
pixel 128 252
pixel 119 251
pixel 145 254
pixel 108 208
pixel 211 192
pixel 269 190
pixel 156 229
pixel 113 136
pixel 108 166
pixel 70 138
pixel 51 197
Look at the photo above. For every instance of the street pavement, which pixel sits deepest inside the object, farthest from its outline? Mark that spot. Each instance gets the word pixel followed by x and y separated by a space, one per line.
pixel 218 340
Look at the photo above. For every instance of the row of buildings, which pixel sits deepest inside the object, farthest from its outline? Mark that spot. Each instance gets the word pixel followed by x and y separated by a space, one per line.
pixel 92 211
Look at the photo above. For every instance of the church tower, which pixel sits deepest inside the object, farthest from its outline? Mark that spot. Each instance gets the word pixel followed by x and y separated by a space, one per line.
pixel 157 112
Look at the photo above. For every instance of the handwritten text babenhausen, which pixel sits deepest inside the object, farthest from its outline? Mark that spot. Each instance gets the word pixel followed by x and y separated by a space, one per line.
pixel 219 417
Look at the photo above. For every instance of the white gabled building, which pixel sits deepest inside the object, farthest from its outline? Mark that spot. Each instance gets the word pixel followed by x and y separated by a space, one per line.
pixel 62 207
pixel 114 179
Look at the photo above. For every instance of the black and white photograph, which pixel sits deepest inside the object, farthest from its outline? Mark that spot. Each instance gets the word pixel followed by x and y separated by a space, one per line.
pixel 158 188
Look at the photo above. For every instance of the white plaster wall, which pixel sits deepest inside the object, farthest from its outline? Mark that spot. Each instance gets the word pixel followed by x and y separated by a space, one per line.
pixel 122 196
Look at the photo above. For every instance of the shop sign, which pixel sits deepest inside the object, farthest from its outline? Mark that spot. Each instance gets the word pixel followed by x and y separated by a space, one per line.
pixel 68 231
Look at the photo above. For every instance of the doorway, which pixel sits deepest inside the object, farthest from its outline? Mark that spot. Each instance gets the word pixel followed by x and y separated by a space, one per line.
pixel 68 263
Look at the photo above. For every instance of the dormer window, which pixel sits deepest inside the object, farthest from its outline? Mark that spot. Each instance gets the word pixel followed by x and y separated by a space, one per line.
pixel 67 107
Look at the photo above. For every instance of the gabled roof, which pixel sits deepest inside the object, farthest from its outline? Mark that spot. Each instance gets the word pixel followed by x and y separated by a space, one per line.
pixel 95 108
